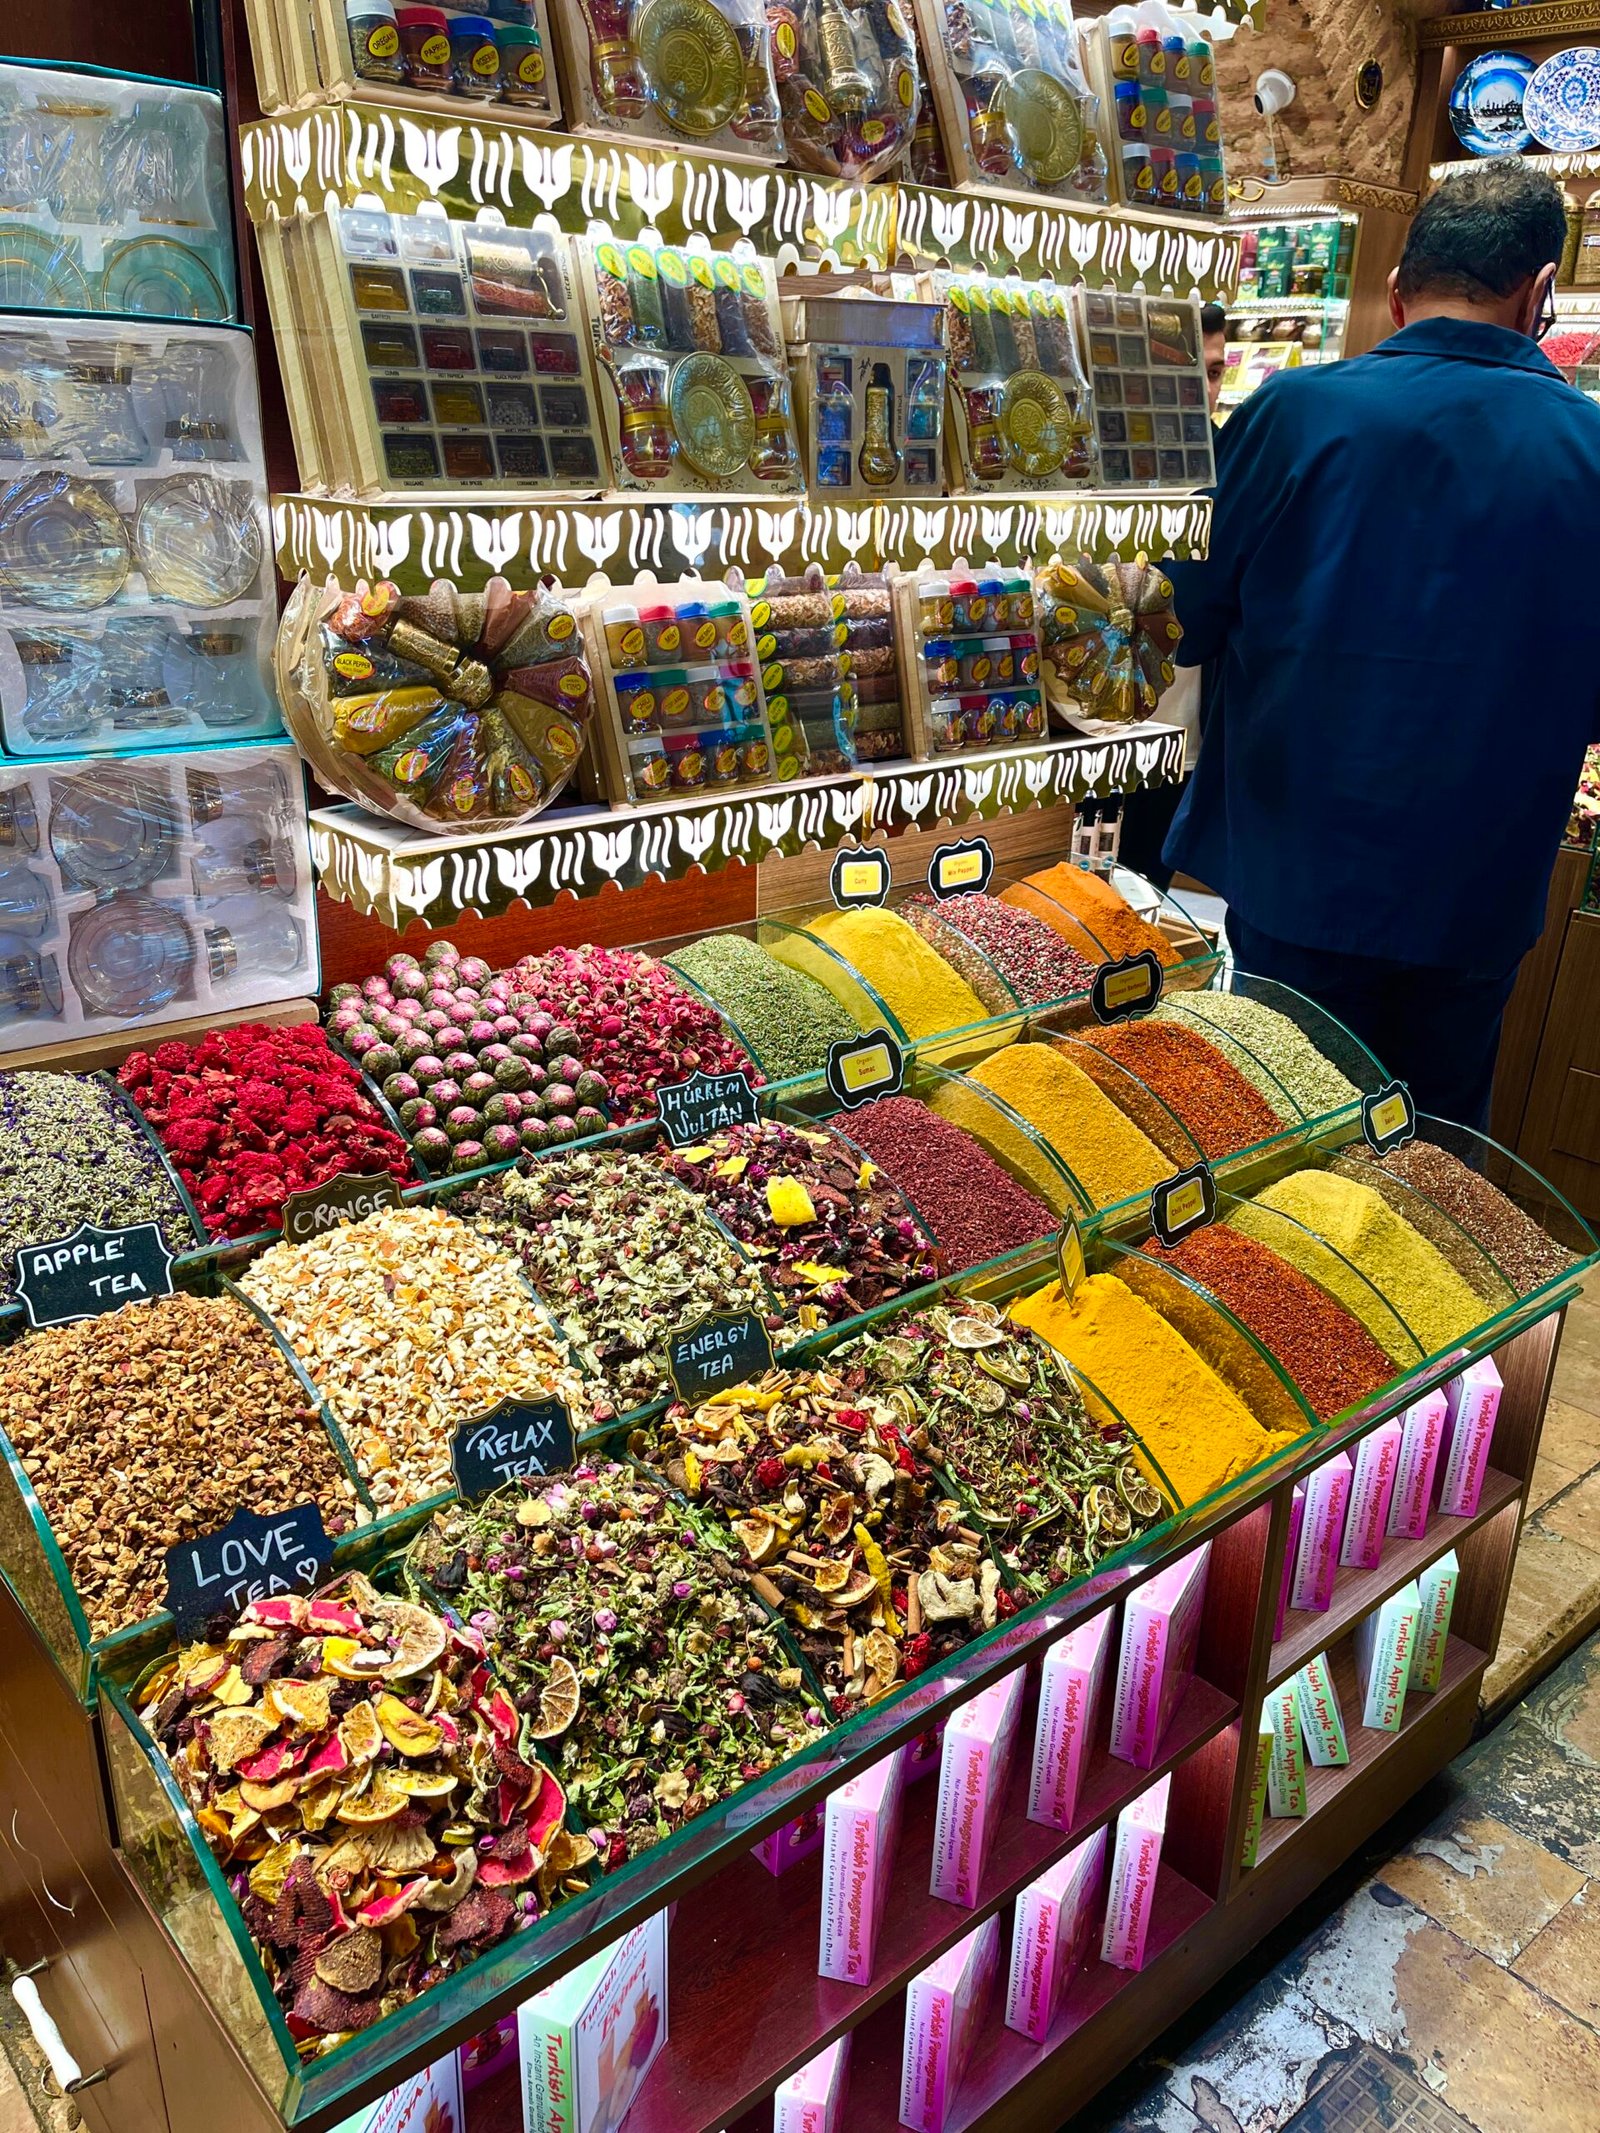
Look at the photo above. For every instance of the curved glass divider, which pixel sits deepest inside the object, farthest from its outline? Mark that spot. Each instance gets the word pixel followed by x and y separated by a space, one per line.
pixel 1168 914
pixel 1196 958
pixel 1322 1262
pixel 806 952
pixel 1016 1146
pixel 1325 1033
pixel 1133 1097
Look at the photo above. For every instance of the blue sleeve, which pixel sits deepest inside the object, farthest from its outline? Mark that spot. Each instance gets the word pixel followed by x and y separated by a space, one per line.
pixel 1207 593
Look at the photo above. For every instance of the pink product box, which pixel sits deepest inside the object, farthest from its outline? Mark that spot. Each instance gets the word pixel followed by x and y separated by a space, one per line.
pixel 863 1820
pixel 792 1841
pixel 812 2101
pixel 1160 1634
pixel 1291 1549
pixel 1317 1559
pixel 1421 1438
pixel 1474 1402
pixel 1371 1486
pixel 1050 1937
pixel 1135 1863
pixel 1071 1684
pixel 429 2100
pixel 945 2009
pixel 979 1743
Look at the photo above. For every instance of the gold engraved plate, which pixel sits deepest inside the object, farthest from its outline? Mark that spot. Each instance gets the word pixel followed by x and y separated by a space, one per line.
pixel 1044 121
pixel 1035 423
pixel 692 62
pixel 712 415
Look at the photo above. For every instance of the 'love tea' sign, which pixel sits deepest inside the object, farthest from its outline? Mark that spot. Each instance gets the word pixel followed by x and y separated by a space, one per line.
pixel 512 1442
pixel 91 1271
pixel 719 1350
pixel 252 1557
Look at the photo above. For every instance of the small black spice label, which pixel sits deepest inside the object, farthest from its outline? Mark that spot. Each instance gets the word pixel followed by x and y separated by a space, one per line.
pixel 514 1440
pixel 859 877
pixel 719 1350
pixel 1389 1118
pixel 1126 988
pixel 860 1068
pixel 1183 1204
pixel 961 869
pixel 250 1558
pixel 705 1103
pixel 91 1271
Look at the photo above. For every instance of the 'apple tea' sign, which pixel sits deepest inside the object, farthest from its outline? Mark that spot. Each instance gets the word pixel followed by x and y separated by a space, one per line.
pixel 91 1271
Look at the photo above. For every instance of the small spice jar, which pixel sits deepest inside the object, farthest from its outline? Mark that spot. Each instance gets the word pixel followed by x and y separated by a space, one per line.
pixel 424 46
pixel 474 57
pixel 524 70
pixel 374 40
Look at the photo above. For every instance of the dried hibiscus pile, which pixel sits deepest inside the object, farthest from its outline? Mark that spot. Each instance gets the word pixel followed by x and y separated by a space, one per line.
pixel 635 1651
pixel 355 1767
pixel 636 1025
pixel 844 1527
pixel 831 1232
pixel 251 1114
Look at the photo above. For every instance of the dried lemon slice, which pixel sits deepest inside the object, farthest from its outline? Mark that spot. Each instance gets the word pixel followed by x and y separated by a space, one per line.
pixel 558 1701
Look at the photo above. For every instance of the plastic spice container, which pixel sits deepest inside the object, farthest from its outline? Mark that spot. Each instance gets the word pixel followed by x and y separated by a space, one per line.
pixel 425 46
pixel 374 40
pixel 524 70
pixel 474 57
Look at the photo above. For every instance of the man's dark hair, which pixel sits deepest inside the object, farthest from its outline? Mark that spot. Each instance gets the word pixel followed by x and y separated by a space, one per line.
pixel 1213 319
pixel 1482 234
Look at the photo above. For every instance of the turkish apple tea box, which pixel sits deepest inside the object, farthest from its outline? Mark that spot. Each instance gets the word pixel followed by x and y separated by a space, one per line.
pixel 1385 1641
pixel 427 2103
pixel 1256 1813
pixel 1321 1718
pixel 588 2041
pixel 1436 1594
pixel 1286 1771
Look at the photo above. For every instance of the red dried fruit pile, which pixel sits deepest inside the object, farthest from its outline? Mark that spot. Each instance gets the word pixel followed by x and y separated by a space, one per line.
pixel 1323 1347
pixel 356 1769
pixel 252 1114
pixel 975 1209
pixel 636 1025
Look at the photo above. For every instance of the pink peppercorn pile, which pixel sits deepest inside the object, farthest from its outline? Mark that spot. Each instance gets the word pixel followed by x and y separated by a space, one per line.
pixel 975 1209
pixel 636 1024
pixel 1035 961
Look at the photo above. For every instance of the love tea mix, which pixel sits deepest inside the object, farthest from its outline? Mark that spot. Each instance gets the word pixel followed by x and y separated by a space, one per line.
pixel 635 1652
pixel 844 1528
pixel 998 1412
pixel 831 1232
pixel 355 1767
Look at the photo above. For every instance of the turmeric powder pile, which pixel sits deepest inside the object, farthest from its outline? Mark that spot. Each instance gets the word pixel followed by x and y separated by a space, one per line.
pixel 925 996
pixel 1107 1155
pixel 1075 902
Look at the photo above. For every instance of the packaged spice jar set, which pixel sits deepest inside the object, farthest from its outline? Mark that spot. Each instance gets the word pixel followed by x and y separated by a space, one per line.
pixel 686 691
pixel 440 709
pixel 1145 366
pixel 869 374
pixel 847 84
pixel 454 355
pixel 1157 77
pixel 169 885
pixel 970 658
pixel 691 346
pixel 116 195
pixel 827 652
pixel 498 54
pixel 1019 399
pixel 1014 106
pixel 132 496
pixel 1110 639
pixel 695 72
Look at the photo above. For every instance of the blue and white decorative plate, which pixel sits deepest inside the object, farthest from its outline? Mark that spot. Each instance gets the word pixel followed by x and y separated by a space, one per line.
pixel 1561 104
pixel 1486 104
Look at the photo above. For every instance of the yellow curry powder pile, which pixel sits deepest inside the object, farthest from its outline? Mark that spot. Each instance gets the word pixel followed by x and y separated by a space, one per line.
pixel 1105 1151
pixel 922 991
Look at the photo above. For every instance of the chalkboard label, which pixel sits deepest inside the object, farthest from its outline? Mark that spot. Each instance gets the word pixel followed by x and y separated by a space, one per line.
pixel 961 869
pixel 705 1103
pixel 1389 1118
pixel 91 1271
pixel 1184 1203
pixel 346 1198
pixel 252 1557
pixel 860 1068
pixel 512 1442
pixel 1070 1263
pixel 859 877
pixel 719 1350
pixel 1126 988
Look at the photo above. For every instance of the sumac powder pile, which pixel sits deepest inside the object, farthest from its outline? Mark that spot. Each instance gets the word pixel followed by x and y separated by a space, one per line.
pixel 975 1209
pixel 1324 1348
pixel 1194 1081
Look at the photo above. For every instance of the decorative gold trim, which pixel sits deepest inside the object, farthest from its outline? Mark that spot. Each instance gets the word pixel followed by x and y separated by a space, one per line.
pixel 1357 192
pixel 1548 18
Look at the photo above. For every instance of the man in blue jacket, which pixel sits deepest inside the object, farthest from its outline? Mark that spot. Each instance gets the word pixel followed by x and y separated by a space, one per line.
pixel 1403 552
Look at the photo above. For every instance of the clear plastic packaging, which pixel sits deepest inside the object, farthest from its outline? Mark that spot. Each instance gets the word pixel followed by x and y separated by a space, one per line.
pixel 443 710
pixel 1148 373
pixel 698 73
pixel 138 891
pixel 1109 637
pixel 870 375
pixel 972 655
pixel 1156 74
pixel 1014 103
pixel 848 84
pixel 113 195
pixel 832 643
pixel 1019 398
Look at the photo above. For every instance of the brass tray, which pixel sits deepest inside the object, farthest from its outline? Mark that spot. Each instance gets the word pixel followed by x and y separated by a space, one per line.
pixel 713 416
pixel 692 62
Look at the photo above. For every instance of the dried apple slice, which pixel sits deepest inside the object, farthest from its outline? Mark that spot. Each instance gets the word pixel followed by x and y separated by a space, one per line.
pixel 407 1731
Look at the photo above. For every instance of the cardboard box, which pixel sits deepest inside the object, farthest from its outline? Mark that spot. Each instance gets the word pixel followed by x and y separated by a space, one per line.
pixel 862 1823
pixel 1371 1487
pixel 1321 1719
pixel 1474 1403
pixel 1422 1430
pixel 945 2009
pixel 1050 1936
pixel 979 1743
pixel 1291 1550
pixel 1385 1640
pixel 792 1841
pixel 430 2102
pixel 1257 1812
pixel 1317 1560
pixel 812 2100
pixel 1436 1593
pixel 1135 1864
pixel 1286 1771
pixel 589 2040
pixel 1160 1635
pixel 1071 1685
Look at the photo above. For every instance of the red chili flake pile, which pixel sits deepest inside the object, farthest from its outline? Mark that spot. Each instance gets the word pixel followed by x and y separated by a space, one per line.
pixel 252 1114
pixel 1035 960
pixel 636 1024
pixel 975 1209
pixel 1193 1079
pixel 1323 1347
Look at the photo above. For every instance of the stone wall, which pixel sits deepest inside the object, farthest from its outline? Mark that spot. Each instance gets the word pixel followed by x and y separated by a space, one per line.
pixel 1322 44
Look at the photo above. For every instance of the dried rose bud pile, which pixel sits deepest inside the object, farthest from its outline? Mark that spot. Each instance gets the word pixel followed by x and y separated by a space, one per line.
pixel 152 1424
pixel 636 1025
pixel 1035 961
pixel 253 1113
pixel 844 1527
pixel 832 1234
pixel 635 1652
pixel 998 1411
pixel 477 1069
pixel 409 1324
pixel 621 1255
pixel 355 1768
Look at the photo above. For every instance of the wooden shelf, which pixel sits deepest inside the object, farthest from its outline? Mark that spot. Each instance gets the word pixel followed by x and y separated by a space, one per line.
pixel 1367 1748
pixel 1357 1592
